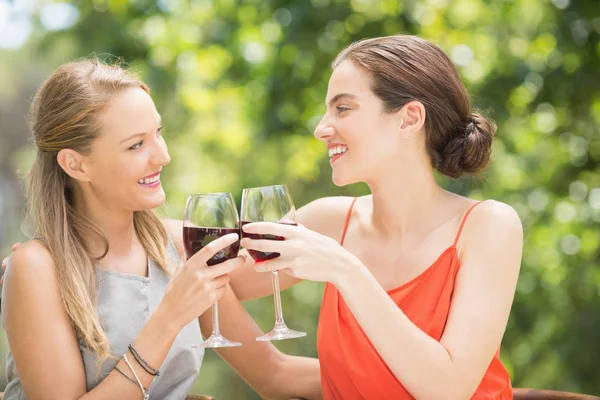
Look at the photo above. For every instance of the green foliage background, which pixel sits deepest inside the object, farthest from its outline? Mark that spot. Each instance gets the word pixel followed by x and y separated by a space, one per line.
pixel 241 84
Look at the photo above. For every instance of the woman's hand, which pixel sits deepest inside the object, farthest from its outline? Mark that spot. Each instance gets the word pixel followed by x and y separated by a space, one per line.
pixel 5 260
pixel 305 254
pixel 195 286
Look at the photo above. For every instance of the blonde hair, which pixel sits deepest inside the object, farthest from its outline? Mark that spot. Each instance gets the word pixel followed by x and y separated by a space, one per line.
pixel 65 113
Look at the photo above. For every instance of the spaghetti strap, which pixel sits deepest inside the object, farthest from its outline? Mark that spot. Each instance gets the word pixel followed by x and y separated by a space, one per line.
pixel 462 224
pixel 347 221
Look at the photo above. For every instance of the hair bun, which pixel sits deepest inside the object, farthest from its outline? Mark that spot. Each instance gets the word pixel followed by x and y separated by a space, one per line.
pixel 469 149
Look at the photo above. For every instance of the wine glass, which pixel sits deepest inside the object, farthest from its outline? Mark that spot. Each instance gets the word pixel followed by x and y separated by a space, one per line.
pixel 270 204
pixel 206 218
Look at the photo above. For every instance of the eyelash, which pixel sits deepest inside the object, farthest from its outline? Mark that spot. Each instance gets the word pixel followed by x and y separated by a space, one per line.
pixel 137 145
pixel 141 142
pixel 341 109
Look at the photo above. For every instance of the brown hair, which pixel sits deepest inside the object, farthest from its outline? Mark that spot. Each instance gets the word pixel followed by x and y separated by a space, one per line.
pixel 65 114
pixel 406 68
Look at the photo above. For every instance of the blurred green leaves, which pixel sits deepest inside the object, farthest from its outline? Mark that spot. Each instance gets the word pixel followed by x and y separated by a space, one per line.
pixel 241 83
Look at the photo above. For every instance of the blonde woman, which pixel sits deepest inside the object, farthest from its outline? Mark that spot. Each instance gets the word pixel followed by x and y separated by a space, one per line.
pixel 94 307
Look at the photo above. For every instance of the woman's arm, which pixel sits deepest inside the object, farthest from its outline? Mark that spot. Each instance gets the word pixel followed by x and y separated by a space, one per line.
pixel 453 367
pixel 49 361
pixel 278 375
pixel 272 374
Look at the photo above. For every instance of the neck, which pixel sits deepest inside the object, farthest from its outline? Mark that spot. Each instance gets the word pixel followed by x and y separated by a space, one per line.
pixel 117 226
pixel 403 197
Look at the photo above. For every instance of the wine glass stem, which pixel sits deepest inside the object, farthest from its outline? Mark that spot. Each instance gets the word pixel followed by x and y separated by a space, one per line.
pixel 277 299
pixel 215 319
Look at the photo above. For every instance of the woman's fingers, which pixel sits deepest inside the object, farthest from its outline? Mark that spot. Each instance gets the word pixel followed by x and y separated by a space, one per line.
pixel 244 253
pixel 220 292
pixel 272 265
pixel 4 264
pixel 264 245
pixel 220 281
pixel 224 268
pixel 290 272
pixel 207 252
pixel 271 228
pixel 5 259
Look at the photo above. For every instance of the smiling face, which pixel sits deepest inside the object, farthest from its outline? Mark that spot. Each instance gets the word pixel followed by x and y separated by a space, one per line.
pixel 124 164
pixel 360 136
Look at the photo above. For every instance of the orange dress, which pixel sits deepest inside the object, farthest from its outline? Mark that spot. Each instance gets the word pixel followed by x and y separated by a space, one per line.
pixel 351 368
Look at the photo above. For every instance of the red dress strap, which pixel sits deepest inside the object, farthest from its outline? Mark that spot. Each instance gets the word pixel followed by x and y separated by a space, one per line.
pixel 462 224
pixel 347 221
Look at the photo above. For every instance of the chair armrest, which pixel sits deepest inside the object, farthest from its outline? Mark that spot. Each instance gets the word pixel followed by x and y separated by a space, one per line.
pixel 538 394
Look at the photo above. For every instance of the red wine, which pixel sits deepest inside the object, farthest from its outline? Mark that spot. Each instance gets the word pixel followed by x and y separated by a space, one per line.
pixel 260 256
pixel 194 239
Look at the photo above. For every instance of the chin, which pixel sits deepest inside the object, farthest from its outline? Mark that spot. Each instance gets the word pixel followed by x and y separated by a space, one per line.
pixel 152 202
pixel 341 180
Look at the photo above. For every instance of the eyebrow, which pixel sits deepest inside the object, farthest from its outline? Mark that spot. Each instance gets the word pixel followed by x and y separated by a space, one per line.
pixel 142 133
pixel 341 96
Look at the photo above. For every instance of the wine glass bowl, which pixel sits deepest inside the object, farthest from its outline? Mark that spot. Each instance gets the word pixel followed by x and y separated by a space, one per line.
pixel 270 204
pixel 207 217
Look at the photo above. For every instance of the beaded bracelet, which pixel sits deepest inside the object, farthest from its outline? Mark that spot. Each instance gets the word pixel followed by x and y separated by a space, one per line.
pixel 140 360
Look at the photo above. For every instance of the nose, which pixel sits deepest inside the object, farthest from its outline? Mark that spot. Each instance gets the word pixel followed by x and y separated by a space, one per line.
pixel 160 155
pixel 324 130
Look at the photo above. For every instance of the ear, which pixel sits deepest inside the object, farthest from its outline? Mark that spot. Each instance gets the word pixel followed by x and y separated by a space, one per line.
pixel 412 119
pixel 73 164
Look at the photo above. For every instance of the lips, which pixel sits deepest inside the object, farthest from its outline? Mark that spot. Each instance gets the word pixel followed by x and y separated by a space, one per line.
pixel 336 157
pixel 336 151
pixel 150 180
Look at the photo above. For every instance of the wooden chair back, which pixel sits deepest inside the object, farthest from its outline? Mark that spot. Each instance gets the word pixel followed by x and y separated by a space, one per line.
pixel 538 394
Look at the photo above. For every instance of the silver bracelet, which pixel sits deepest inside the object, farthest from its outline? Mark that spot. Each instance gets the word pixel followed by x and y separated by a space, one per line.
pixel 125 375
pixel 145 394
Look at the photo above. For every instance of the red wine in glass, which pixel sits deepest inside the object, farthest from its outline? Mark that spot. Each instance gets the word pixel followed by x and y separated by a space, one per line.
pixel 270 204
pixel 196 238
pixel 208 216
pixel 260 256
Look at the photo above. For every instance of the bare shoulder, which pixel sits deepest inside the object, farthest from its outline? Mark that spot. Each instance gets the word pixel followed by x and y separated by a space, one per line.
pixel 494 216
pixel 31 278
pixel 493 233
pixel 31 260
pixel 325 215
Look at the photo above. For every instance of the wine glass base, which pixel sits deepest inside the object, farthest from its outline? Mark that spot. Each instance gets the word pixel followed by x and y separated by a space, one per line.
pixel 280 333
pixel 214 342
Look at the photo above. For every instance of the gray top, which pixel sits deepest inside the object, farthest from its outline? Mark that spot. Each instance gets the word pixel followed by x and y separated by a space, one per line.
pixel 124 304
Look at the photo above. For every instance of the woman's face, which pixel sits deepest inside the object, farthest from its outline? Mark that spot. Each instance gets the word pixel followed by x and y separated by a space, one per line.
pixel 126 159
pixel 361 138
